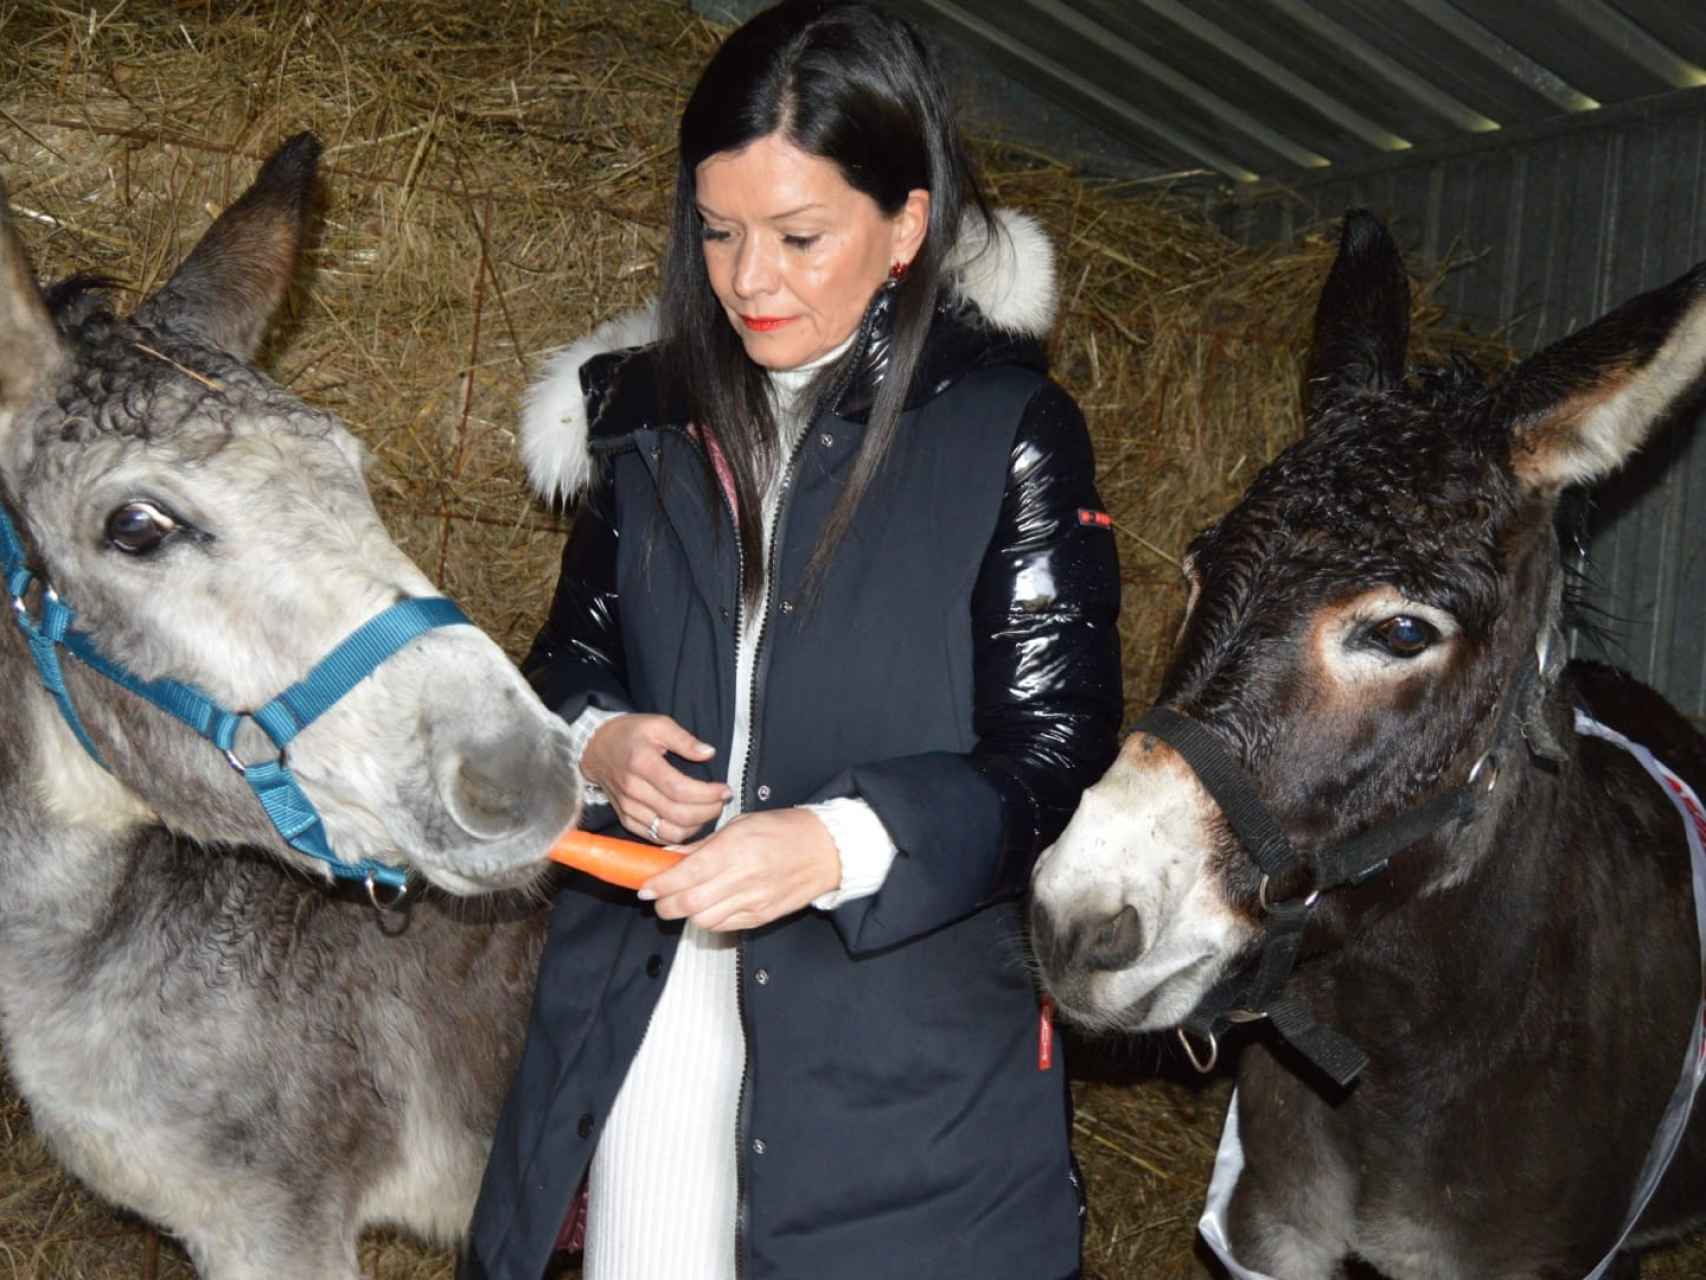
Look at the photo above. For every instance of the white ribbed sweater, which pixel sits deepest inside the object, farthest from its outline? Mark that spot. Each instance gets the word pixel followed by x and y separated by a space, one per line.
pixel 663 1185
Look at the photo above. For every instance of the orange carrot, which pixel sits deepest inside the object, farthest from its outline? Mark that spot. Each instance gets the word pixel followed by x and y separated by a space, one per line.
pixel 628 863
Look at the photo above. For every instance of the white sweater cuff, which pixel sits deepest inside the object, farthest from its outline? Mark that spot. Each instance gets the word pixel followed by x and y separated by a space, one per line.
pixel 581 729
pixel 865 847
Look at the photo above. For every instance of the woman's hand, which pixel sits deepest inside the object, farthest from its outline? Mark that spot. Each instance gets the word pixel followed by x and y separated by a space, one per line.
pixel 760 867
pixel 651 796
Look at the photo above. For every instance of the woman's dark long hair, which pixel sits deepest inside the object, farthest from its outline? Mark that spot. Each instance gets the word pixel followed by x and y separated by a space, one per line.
pixel 848 83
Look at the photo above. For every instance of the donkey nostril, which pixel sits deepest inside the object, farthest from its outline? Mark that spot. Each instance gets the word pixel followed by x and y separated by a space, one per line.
pixel 1118 942
pixel 484 801
pixel 513 787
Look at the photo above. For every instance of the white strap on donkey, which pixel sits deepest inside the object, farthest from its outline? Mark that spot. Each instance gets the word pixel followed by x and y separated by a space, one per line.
pixel 1229 1158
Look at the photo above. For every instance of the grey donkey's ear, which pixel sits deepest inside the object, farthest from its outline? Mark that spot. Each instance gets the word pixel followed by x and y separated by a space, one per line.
pixel 226 291
pixel 1577 410
pixel 29 345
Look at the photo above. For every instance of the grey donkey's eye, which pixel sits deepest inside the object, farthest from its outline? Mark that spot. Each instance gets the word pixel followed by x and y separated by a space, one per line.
pixel 137 528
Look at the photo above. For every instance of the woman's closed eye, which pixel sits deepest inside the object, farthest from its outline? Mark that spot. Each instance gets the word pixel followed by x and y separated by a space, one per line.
pixel 802 242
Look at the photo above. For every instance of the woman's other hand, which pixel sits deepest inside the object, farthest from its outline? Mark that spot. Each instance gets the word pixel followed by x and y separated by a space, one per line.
pixel 653 799
pixel 758 868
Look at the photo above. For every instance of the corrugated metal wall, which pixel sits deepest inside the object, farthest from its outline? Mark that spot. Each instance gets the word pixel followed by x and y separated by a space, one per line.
pixel 1565 224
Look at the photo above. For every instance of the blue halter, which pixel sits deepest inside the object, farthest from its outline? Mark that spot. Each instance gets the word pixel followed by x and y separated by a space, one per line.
pixel 351 662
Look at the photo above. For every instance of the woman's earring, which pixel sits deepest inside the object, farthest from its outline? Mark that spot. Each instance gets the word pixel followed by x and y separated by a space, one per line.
pixel 898 271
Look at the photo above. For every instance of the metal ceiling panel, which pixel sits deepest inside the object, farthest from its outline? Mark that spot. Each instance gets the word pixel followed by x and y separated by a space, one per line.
pixel 1154 82
pixel 1052 62
pixel 1679 24
pixel 1590 45
pixel 1450 49
pixel 1309 45
pixel 1248 60
pixel 1277 88
pixel 1239 75
pixel 1158 138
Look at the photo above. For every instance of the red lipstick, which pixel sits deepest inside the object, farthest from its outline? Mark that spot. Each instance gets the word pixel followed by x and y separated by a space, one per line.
pixel 764 324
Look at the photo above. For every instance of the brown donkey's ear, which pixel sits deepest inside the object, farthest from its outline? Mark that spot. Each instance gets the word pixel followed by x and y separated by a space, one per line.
pixel 226 291
pixel 1362 323
pixel 1578 409
pixel 29 345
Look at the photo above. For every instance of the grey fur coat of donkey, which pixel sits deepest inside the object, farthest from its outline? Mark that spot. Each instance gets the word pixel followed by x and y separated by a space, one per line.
pixel 205 1031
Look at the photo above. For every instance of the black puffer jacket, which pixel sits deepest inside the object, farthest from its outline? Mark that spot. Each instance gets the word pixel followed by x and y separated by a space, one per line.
pixel 959 672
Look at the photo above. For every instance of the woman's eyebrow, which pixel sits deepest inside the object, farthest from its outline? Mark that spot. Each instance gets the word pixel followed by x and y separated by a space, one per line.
pixel 706 211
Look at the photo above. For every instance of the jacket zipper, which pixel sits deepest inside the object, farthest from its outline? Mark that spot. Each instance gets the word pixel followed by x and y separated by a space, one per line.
pixel 772 565
pixel 743 1115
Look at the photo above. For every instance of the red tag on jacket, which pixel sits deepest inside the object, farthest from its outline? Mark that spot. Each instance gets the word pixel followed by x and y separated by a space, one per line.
pixel 1045 1035
pixel 1095 519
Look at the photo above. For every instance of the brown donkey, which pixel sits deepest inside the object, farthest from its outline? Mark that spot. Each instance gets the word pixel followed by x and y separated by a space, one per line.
pixel 1363 815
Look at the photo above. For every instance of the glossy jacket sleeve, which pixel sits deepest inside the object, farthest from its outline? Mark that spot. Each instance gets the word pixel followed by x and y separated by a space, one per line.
pixel 577 658
pixel 1046 684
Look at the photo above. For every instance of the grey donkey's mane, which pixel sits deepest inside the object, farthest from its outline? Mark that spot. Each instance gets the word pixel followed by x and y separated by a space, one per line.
pixel 151 383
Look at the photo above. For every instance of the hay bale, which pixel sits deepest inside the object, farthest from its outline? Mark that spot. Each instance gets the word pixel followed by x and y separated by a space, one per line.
pixel 496 180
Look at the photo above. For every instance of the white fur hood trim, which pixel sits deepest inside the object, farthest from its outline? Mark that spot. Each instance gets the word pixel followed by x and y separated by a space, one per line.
pixel 553 412
pixel 1012 281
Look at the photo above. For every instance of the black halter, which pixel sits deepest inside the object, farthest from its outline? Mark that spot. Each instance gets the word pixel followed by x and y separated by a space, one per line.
pixel 1252 993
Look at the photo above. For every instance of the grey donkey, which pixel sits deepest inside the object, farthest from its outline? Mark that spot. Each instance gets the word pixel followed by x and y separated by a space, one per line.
pixel 205 1029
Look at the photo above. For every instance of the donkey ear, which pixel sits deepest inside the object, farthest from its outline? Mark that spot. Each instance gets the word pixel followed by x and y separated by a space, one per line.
pixel 1362 323
pixel 29 344
pixel 1578 409
pixel 226 291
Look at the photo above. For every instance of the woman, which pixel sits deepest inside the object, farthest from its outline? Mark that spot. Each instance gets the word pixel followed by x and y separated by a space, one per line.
pixel 838 615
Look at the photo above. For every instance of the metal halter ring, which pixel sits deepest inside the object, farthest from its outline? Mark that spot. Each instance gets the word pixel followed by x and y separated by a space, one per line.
pixel 1190 1051
pixel 1262 896
pixel 236 761
pixel 1492 777
pixel 21 607
pixel 398 895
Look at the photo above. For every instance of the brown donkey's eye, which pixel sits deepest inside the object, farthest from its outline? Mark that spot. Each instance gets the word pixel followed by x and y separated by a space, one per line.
pixel 137 528
pixel 1404 636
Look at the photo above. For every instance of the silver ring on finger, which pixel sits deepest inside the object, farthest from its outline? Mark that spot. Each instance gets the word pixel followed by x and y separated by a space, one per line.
pixel 652 830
